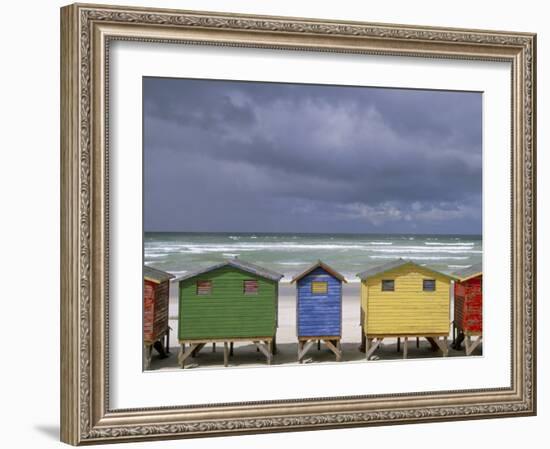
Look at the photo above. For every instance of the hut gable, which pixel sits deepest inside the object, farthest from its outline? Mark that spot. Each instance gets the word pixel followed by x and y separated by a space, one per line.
pixel 395 265
pixel 233 299
pixel 469 273
pixel 323 266
pixel 319 301
pixel 404 298
pixel 238 264
pixel 157 276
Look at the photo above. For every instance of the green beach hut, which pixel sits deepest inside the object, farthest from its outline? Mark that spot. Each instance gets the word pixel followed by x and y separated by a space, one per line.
pixel 231 301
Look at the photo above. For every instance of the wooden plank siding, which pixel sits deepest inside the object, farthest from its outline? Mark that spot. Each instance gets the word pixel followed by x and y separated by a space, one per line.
pixel 468 305
pixel 155 310
pixel 319 314
pixel 227 312
pixel 162 298
pixel 148 311
pixel 408 310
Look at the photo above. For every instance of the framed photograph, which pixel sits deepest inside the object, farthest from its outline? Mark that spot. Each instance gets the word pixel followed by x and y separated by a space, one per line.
pixel 281 224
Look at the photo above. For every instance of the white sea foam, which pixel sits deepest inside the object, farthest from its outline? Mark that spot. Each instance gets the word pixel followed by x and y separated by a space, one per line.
pixel 424 257
pixel 285 253
pixel 291 246
pixel 421 250
pixel 453 244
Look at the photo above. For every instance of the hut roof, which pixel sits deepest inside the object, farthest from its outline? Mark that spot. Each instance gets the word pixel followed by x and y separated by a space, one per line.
pixel 396 264
pixel 319 264
pixel 235 263
pixel 154 275
pixel 470 272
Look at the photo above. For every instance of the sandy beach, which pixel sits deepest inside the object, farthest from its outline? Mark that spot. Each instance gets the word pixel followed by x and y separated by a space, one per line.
pixel 245 354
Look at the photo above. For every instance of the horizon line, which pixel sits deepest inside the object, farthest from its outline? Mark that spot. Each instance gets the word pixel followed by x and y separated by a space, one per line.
pixel 312 233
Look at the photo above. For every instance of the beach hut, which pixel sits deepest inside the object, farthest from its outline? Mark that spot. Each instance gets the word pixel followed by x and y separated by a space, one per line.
pixel 231 301
pixel 319 309
pixel 468 304
pixel 401 299
pixel 156 295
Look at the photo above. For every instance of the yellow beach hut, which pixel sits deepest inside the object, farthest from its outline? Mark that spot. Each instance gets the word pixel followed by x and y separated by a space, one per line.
pixel 401 299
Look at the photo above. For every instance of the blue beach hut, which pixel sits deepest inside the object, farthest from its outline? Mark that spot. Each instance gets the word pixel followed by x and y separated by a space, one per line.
pixel 319 309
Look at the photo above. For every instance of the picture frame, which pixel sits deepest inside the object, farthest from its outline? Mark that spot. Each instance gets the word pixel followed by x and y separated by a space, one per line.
pixel 87 31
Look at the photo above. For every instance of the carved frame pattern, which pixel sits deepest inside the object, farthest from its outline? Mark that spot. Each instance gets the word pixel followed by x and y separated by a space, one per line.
pixel 87 31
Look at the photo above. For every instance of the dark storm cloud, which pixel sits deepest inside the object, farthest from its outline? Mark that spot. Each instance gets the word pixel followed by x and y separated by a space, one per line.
pixel 239 156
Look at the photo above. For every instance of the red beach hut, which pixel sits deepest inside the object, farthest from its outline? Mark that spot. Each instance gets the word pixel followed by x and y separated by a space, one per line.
pixel 468 302
pixel 156 295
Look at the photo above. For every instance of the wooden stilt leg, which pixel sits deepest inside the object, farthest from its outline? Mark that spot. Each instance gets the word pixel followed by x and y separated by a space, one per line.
pixel 147 356
pixel 184 354
pixel 441 344
pixel 305 346
pixel 417 342
pixel 334 346
pixel 231 349
pixel 470 347
pixel 274 345
pixel 197 349
pixel 168 341
pixel 270 351
pixel 181 360
pixel 300 347
pixel 433 343
pixel 214 347
pixel 467 344
pixel 398 344
pixel 318 345
pixel 405 347
pixel 225 354
pixel 375 343
pixel 368 342
pixel 265 349
pixel 362 347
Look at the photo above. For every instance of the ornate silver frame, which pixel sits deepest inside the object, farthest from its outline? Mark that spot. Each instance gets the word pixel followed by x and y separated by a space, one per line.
pixel 86 32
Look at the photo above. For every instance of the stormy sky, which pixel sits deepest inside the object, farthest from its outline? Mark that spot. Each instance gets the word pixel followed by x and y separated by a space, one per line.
pixel 226 156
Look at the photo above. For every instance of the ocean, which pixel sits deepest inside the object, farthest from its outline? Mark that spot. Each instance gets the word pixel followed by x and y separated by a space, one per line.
pixel 289 254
